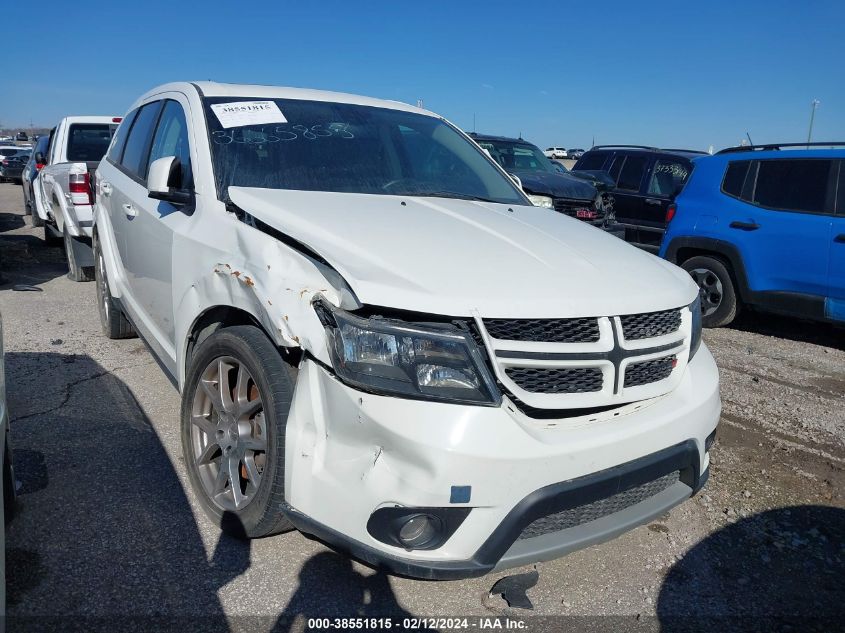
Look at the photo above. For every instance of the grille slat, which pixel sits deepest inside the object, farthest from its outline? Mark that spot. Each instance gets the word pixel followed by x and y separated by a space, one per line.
pixel 649 371
pixel 553 380
pixel 581 330
pixel 650 324
pixel 603 507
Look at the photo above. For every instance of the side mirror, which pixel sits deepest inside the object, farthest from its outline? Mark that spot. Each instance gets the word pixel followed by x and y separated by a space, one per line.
pixel 39 158
pixel 164 181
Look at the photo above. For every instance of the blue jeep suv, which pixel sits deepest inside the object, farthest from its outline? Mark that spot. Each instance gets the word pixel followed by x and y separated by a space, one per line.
pixel 764 226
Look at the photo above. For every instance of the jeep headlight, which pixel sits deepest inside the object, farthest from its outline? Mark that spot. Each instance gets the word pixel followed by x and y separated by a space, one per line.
pixel 695 336
pixel 393 358
pixel 541 201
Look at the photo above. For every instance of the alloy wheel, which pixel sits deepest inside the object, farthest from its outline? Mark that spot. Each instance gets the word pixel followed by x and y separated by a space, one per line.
pixel 228 433
pixel 709 289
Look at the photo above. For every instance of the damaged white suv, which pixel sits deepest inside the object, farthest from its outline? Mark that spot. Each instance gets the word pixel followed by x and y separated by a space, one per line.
pixel 380 341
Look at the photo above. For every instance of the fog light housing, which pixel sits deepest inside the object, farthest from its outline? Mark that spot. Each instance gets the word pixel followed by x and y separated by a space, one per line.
pixel 415 528
pixel 419 530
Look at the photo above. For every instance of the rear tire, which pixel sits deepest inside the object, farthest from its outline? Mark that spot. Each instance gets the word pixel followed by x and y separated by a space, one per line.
pixel 224 465
pixel 76 272
pixel 719 304
pixel 114 322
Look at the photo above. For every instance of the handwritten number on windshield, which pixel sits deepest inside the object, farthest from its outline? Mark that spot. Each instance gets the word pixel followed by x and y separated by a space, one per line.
pixel 252 136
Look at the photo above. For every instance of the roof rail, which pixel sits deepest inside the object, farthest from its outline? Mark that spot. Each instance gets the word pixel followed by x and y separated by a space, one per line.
pixel 622 147
pixel 648 147
pixel 777 146
pixel 679 149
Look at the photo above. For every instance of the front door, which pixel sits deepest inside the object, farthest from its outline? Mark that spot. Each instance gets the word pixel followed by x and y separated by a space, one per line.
pixel 835 307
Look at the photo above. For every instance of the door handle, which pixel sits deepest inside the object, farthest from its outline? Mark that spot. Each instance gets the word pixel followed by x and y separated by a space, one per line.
pixel 840 239
pixel 745 226
pixel 105 188
pixel 653 201
pixel 129 210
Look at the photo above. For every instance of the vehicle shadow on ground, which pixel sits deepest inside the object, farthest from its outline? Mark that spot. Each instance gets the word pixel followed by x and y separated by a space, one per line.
pixel 330 587
pixel 771 570
pixel 791 328
pixel 26 259
pixel 118 542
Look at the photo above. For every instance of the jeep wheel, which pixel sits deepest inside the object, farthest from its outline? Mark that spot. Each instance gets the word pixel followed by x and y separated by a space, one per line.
pixel 235 405
pixel 114 322
pixel 719 305
pixel 75 272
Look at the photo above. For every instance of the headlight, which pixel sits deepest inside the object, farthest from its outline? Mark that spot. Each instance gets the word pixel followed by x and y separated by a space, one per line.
pixel 695 338
pixel 541 201
pixel 411 361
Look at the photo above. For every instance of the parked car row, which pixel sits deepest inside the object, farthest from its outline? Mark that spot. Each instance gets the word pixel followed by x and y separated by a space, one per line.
pixel 755 226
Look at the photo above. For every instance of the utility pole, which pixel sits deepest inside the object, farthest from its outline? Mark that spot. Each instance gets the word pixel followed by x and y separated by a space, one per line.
pixel 814 105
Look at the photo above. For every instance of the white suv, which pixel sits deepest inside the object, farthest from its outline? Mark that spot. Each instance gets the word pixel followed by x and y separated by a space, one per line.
pixel 556 152
pixel 380 341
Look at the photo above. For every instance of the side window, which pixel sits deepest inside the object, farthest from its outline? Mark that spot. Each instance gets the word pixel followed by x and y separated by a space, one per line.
pixel 793 184
pixel 119 141
pixel 668 177
pixel 735 177
pixel 616 166
pixel 632 173
pixel 171 139
pixel 592 160
pixel 138 144
pixel 840 194
pixel 49 155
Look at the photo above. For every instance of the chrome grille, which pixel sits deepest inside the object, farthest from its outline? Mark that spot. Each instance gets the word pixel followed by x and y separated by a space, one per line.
pixel 649 371
pixel 564 380
pixel 582 330
pixel 650 324
pixel 597 509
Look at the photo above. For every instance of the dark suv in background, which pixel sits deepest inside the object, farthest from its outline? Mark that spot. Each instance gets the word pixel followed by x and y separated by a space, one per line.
pixel 647 179
pixel 547 183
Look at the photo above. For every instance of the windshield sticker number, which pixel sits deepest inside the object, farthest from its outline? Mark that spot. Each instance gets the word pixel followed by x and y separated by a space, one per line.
pixel 242 113
pixel 281 134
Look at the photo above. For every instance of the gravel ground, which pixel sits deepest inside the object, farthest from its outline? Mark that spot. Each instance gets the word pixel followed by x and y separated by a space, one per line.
pixel 108 527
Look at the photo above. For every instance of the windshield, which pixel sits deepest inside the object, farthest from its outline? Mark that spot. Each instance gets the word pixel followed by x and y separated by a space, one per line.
pixel 324 146
pixel 513 156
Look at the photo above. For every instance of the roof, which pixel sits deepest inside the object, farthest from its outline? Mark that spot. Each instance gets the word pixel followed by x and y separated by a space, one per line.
pixel 216 89
pixel 780 146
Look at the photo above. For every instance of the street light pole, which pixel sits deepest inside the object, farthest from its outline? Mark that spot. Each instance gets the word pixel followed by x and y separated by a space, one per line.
pixel 814 104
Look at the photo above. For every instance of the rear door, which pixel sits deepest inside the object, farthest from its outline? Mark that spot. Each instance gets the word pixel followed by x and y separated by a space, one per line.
pixel 128 188
pixel 782 227
pixel 629 171
pixel 666 177
pixel 835 308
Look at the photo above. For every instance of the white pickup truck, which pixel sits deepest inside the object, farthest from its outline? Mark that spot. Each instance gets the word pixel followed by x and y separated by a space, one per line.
pixel 63 192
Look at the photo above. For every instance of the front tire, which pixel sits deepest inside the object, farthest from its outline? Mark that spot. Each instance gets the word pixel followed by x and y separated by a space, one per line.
pixel 719 304
pixel 235 405
pixel 114 322
pixel 75 272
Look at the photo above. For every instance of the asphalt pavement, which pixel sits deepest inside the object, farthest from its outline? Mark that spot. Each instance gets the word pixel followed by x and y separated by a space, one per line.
pixel 107 528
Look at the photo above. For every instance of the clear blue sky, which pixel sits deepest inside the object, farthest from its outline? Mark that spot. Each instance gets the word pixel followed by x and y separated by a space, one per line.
pixel 665 73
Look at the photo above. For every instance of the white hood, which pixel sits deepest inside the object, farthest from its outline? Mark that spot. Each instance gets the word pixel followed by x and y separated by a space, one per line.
pixel 459 258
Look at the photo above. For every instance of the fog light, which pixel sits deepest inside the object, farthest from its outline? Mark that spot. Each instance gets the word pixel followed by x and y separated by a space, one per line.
pixel 419 530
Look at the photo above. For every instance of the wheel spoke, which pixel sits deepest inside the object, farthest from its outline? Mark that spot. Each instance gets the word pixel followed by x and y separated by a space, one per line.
pixel 205 425
pixel 223 385
pixel 222 476
pixel 208 452
pixel 254 443
pixel 234 463
pixel 210 389
pixel 252 473
pixel 248 408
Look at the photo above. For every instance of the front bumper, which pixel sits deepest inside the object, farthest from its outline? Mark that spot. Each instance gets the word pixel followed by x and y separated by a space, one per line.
pixel 350 454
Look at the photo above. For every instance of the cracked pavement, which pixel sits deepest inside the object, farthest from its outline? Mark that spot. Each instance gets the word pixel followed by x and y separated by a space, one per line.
pixel 107 525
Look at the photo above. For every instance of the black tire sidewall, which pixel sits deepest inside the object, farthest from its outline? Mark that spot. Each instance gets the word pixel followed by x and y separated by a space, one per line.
pixel 729 307
pixel 251 347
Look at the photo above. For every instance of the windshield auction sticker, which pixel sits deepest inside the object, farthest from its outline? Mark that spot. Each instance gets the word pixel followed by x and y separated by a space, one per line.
pixel 241 113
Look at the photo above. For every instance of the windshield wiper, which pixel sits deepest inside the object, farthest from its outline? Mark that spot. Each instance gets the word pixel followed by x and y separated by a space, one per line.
pixel 453 194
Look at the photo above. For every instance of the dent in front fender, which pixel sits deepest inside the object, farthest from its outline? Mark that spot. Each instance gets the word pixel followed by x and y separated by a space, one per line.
pixel 249 270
